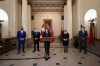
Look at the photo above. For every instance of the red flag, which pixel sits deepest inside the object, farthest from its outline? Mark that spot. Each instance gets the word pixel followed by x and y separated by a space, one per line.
pixel 91 35
pixel 91 39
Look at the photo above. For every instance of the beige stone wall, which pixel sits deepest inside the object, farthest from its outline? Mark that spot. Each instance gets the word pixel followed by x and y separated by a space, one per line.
pixel 71 23
pixel 4 5
pixel 68 17
pixel 54 16
pixel 12 8
pixel 29 21
pixel 79 10
pixel 85 5
pixel 75 22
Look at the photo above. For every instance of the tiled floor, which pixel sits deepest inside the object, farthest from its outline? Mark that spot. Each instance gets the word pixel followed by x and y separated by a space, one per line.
pixel 58 58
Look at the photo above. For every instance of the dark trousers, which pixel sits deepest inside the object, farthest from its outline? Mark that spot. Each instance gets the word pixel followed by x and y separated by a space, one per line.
pixel 83 46
pixel 21 44
pixel 36 45
pixel 65 44
pixel 47 48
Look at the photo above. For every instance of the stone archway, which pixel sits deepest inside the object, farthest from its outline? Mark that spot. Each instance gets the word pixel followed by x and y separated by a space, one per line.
pixel 90 16
pixel 3 23
pixel 90 22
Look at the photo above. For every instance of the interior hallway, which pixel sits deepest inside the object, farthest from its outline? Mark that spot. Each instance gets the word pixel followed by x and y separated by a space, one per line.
pixel 57 58
pixel 61 15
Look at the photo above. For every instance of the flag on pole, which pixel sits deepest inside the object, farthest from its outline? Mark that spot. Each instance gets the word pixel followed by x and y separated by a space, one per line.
pixel 91 35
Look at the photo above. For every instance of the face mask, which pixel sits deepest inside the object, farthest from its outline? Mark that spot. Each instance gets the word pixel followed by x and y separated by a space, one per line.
pixel 21 31
pixel 46 31
pixel 65 32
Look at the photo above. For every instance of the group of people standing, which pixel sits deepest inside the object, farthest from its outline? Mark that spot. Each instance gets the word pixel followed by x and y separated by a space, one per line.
pixel 21 36
pixel 46 38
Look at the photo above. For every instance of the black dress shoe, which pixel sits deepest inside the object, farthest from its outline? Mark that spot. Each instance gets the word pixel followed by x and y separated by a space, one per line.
pixel 23 51
pixel 18 53
pixel 46 58
pixel 38 50
pixel 33 51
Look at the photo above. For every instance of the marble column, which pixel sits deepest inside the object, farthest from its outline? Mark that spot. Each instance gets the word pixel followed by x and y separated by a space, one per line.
pixel 68 17
pixel 79 14
pixel 29 21
pixel 12 18
pixel 26 17
pixel 24 14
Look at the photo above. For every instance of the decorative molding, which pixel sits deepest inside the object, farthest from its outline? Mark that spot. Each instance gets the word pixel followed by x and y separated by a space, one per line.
pixel 47 10
pixel 47 5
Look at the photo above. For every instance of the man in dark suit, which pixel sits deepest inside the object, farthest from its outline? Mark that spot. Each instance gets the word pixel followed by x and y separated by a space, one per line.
pixel 83 39
pixel 36 38
pixel 65 41
pixel 21 36
pixel 47 39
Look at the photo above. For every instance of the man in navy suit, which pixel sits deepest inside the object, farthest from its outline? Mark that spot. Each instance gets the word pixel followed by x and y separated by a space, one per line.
pixel 21 36
pixel 36 38
pixel 83 39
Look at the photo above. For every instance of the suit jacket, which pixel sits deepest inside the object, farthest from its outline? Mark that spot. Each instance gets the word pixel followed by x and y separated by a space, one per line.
pixel 47 36
pixel 83 39
pixel 83 35
pixel 66 37
pixel 21 36
pixel 36 35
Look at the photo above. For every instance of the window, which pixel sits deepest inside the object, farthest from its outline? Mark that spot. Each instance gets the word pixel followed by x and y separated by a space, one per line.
pixel 3 16
pixel 90 15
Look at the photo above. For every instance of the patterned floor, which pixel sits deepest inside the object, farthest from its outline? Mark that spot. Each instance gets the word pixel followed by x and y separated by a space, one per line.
pixel 57 58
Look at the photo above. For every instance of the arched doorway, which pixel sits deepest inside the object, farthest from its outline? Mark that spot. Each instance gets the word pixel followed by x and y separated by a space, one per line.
pixel 90 22
pixel 3 23
pixel 90 16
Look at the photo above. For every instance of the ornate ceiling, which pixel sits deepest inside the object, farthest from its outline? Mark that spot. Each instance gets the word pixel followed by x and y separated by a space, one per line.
pixel 47 5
